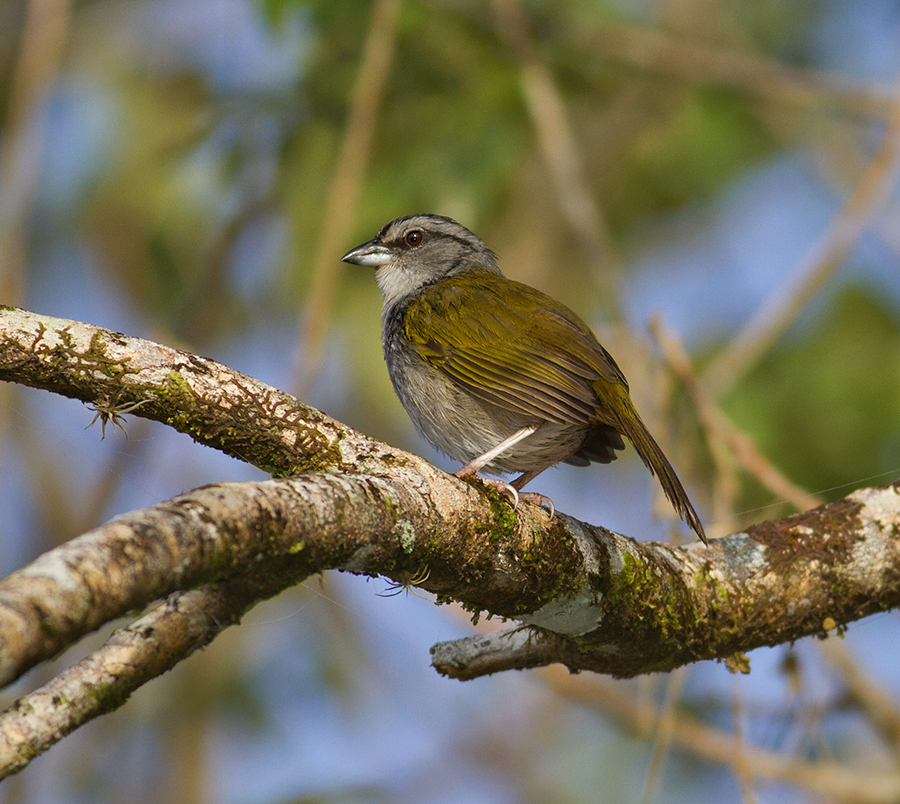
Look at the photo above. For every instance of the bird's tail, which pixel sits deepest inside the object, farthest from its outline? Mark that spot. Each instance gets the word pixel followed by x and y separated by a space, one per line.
pixel 629 424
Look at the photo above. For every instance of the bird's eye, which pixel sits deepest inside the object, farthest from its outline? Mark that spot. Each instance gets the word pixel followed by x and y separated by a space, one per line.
pixel 414 237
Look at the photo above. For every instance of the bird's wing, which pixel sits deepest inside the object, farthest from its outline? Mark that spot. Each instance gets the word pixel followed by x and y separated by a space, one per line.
pixel 535 356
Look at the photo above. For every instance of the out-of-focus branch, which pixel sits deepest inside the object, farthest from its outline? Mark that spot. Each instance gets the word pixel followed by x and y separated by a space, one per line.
pixel 40 54
pixel 665 723
pixel 830 779
pixel 863 691
pixel 774 317
pixel 678 56
pixel 724 480
pixel 41 46
pixel 721 430
pixel 340 203
pixel 740 764
pixel 561 152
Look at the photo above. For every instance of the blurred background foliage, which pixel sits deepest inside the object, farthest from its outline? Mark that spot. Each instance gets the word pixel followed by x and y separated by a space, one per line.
pixel 192 170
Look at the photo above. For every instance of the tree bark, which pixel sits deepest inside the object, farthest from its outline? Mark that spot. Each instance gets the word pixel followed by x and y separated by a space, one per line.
pixel 589 598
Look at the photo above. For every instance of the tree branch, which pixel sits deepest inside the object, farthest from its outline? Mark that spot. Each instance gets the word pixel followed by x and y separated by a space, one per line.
pixel 133 655
pixel 595 600
pixel 215 405
pixel 660 607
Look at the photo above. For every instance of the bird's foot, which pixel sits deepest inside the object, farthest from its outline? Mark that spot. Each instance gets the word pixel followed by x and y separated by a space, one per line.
pixel 539 499
pixel 501 485
pixel 504 488
pixel 510 491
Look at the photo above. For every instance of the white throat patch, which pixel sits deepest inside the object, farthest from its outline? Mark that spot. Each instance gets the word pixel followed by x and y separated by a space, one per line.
pixel 395 283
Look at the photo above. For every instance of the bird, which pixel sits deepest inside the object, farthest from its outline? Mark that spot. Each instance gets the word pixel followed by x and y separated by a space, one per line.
pixel 493 372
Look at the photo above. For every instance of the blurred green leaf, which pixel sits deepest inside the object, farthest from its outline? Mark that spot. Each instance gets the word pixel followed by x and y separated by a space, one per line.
pixel 825 408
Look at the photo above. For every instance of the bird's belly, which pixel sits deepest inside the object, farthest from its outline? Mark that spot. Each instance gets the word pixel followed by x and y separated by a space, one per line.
pixel 465 427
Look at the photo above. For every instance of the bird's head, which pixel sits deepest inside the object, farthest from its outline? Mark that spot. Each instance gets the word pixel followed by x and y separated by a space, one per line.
pixel 418 250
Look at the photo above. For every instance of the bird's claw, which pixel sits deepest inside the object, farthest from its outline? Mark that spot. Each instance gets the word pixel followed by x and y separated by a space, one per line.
pixel 539 499
pixel 514 495
pixel 504 488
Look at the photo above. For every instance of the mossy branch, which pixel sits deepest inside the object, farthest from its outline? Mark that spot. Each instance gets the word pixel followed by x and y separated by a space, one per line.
pixel 594 600
pixel 215 405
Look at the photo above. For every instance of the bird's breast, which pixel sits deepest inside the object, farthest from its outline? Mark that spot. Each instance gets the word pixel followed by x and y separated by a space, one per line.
pixel 459 424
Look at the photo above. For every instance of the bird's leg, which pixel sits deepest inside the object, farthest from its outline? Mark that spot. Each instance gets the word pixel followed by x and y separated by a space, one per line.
pixel 477 464
pixel 509 489
pixel 526 477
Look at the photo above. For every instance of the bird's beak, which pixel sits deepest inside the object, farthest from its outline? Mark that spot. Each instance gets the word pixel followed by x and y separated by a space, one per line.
pixel 370 253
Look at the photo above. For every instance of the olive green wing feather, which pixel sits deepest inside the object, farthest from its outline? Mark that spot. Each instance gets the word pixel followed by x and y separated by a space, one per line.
pixel 535 356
